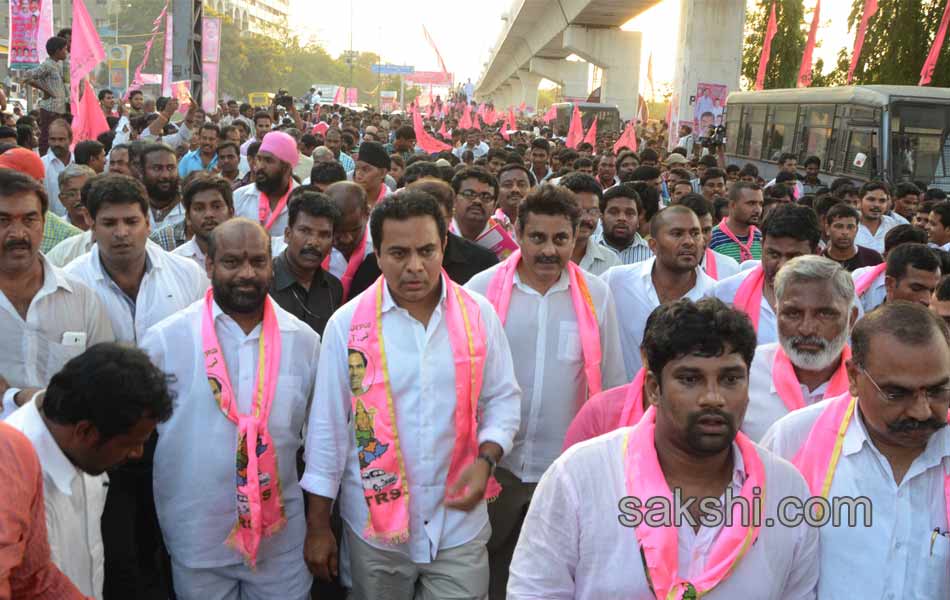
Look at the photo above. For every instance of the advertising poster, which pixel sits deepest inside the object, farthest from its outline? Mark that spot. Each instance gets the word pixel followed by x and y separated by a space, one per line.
pixel 118 57
pixel 210 57
pixel 708 107
pixel 28 34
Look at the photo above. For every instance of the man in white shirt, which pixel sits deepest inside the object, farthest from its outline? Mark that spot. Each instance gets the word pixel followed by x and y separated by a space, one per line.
pixel 593 257
pixel 265 200
pixel 515 181
pixel 672 274
pixel 715 264
pixel 196 447
pixel 891 454
pixel 208 202
pixel 476 192
pixel 444 551
pixel 584 535
pixel 875 223
pixel 815 304
pixel 138 283
pixel 621 214
pixel 56 159
pixel 911 273
pixel 46 318
pixel 473 143
pixel 71 181
pixel 96 413
pixel 159 169
pixel 548 349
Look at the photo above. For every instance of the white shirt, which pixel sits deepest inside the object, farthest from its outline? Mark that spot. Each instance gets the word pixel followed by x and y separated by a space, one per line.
pixel 726 266
pixel 54 167
pixel 635 298
pixel 726 290
pixel 573 546
pixel 875 241
pixel 194 474
pixel 765 405
pixel 190 249
pixel 549 364
pixel 876 294
pixel 180 137
pixel 247 202
pixel 423 385
pixel 598 258
pixel 74 502
pixel 63 319
pixel 478 151
pixel 170 284
pixel 890 560
pixel 72 247
pixel 338 262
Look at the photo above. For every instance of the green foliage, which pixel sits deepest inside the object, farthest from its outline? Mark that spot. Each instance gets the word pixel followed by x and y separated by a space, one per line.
pixel 787 45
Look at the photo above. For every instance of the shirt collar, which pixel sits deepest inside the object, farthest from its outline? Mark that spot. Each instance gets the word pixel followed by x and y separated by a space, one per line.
pixel 283 278
pixel 53 278
pixel 637 241
pixel 54 462
pixel 560 285
pixel 283 323
pixel 153 259
pixel 938 446
pixel 389 303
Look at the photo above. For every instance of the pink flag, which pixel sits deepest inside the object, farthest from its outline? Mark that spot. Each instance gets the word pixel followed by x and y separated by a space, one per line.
pixel 436 50
pixel 870 7
pixel 931 63
pixel 89 121
pixel 628 139
pixel 475 122
pixel 575 133
pixel 167 59
pixel 766 50
pixel 85 50
pixel 491 117
pixel 522 107
pixel 338 97
pixel 352 96
pixel 511 125
pixel 156 27
pixel 442 130
pixel 45 29
pixel 429 144
pixel 550 115
pixel 466 121
pixel 591 137
pixel 804 71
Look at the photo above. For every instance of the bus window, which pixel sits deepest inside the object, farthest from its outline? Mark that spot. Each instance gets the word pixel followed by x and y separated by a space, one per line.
pixel 920 147
pixel 781 130
pixel 861 141
pixel 815 131
pixel 732 129
pixel 752 131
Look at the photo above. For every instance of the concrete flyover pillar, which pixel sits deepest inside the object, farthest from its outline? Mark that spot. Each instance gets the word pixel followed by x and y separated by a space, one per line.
pixel 570 75
pixel 617 52
pixel 710 51
pixel 501 98
pixel 529 89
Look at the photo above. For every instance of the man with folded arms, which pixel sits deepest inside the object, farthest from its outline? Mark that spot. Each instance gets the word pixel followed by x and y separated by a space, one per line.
pixel 415 403
pixel 815 306
pixel 584 536
pixel 265 200
pixel 885 441
pixel 563 331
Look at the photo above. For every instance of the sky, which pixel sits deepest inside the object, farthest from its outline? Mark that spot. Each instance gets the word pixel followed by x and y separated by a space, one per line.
pixel 465 32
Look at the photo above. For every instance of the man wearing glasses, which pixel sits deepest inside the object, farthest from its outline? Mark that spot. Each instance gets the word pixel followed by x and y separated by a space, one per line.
pixel 885 442
pixel 476 192
pixel 588 254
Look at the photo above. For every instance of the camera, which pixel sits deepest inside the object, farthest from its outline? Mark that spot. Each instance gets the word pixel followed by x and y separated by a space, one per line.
pixel 715 137
pixel 283 98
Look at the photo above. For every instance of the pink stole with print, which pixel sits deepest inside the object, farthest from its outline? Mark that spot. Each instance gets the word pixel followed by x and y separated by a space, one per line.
pixel 749 295
pixel 265 215
pixel 864 281
pixel 788 387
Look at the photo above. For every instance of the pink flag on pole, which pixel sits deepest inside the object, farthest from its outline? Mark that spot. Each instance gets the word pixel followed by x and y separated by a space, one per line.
pixel 575 133
pixel 804 71
pixel 137 79
pixel 89 121
pixel 591 137
pixel 512 125
pixel 931 63
pixel 870 7
pixel 522 107
pixel 491 117
pixel 352 95
pixel 429 144
pixel 438 55
pixel 338 96
pixel 466 121
pixel 550 115
pixel 770 31
pixel 167 59
pixel 210 61
pixel 85 50
pixel 442 130
pixel 628 139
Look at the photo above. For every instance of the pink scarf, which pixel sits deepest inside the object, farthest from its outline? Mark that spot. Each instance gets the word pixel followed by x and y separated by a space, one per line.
pixel 352 265
pixel 382 466
pixel 264 213
pixel 645 480
pixel 745 250
pixel 711 268
pixel 499 294
pixel 633 403
pixel 749 295
pixel 260 507
pixel 790 391
pixel 864 281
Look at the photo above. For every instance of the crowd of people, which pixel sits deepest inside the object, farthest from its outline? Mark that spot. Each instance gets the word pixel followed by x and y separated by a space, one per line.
pixel 276 352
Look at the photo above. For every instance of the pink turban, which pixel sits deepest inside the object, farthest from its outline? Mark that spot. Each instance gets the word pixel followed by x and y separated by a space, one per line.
pixel 282 146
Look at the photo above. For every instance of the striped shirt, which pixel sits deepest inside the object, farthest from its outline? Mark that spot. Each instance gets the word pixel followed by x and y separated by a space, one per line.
pixel 637 251
pixel 723 244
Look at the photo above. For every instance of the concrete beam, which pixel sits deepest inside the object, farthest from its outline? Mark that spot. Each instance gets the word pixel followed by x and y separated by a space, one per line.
pixel 529 88
pixel 617 52
pixel 571 76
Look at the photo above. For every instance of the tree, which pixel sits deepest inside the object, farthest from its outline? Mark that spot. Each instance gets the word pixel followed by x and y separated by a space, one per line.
pixel 787 45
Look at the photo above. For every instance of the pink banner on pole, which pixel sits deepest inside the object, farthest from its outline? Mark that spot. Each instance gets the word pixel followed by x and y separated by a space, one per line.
pixel 89 121
pixel 25 38
pixel 86 49
pixel 931 63
pixel 870 7
pixel 138 79
pixel 167 65
pixel 210 58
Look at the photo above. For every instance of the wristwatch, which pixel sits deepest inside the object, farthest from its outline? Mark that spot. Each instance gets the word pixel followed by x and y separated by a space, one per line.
pixel 492 463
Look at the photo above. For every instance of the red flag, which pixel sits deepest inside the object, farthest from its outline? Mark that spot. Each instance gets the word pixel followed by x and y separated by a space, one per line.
pixel 575 132
pixel 931 63
pixel 870 7
pixel 466 121
pixel 650 77
pixel 550 115
pixel 475 123
pixel 429 144
pixel 89 121
pixel 804 71
pixel 491 117
pixel 629 137
pixel 512 125
pixel 522 107
pixel 436 50
pixel 591 137
pixel 766 50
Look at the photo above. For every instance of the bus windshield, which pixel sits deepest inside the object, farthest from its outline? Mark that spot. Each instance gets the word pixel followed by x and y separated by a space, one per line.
pixel 920 147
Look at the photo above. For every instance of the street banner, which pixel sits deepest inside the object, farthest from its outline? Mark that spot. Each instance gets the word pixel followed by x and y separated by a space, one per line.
pixel 210 59
pixel 118 56
pixel 28 34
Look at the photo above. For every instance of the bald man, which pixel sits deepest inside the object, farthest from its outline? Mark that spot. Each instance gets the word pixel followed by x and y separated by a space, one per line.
pixel 351 238
pixel 211 350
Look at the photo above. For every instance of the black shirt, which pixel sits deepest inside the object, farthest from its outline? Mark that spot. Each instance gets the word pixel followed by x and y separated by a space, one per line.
pixel 462 261
pixel 313 306
pixel 865 257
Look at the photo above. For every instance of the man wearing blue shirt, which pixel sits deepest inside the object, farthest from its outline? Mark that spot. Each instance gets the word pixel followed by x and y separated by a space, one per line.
pixel 205 158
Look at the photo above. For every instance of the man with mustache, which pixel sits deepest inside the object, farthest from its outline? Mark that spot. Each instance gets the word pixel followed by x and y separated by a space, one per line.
pixel 562 328
pixel 589 255
pixel 71 182
pixel 265 200
pixel 621 210
pixel 875 223
pixel 55 161
pixel 301 286
pixel 514 183
pixel 159 168
pixel 46 317
pixel 815 310
pixel 205 158
pixel 715 264
pixel 870 283
pixel 208 203
pixel 598 526
pixel 885 440
pixel 243 370
pixel 476 191
pixel 737 235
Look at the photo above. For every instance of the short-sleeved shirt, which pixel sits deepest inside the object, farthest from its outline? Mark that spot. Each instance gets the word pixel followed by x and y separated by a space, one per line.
pixel 723 244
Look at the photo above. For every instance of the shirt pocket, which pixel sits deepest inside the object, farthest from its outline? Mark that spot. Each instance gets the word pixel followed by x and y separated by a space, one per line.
pixel 288 410
pixel 568 342
pixel 60 354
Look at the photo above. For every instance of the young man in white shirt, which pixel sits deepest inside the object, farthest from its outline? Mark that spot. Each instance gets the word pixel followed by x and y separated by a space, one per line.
pixel 446 521
pixel 875 222
pixel 218 350
pixel 96 413
pixel 815 309
pixel 549 349
pixel 884 443
pixel 872 293
pixel 604 522
pixel 208 202
pixel 715 264
pixel 673 273
pixel 46 318
pixel 138 283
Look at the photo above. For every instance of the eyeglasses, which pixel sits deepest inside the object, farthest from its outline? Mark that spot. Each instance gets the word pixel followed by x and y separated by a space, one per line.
pixel 484 197
pixel 905 396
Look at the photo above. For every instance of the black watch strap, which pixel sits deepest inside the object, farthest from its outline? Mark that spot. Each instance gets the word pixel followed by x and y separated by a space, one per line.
pixel 492 463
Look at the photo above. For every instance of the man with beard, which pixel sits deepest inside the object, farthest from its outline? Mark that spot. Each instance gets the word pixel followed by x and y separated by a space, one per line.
pixel 540 157
pixel 716 265
pixel 875 223
pixel 514 183
pixel 301 286
pixel 815 309
pixel 476 191
pixel 607 171
pixel 885 443
pixel 372 165
pixel 841 228
pixel 46 317
pixel 627 163
pixel 620 210
pixel 208 202
pixel 265 200
pixel 243 369
pixel 55 161
pixel 870 283
pixel 585 535
pixel 737 236
pixel 138 283
pixel 229 161
pixel 671 274
pixel 563 332
pixel 205 158
pixel 334 143
pixel 159 167
pixel 136 103
pixel 71 183
pixel 588 254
